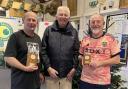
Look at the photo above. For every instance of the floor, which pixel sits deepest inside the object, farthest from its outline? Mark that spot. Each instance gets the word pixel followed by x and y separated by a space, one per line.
pixel 5 79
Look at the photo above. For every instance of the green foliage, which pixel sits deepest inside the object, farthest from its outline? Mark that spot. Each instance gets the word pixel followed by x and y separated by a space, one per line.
pixel 9 5
pixel 116 78
pixel 2 63
pixel 75 84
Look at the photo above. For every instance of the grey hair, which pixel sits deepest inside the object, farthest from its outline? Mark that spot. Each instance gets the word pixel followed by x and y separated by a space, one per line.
pixel 65 8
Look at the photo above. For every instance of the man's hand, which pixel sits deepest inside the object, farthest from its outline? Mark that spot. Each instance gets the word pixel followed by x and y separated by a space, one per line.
pixel 96 64
pixel 71 74
pixel 42 78
pixel 80 59
pixel 30 68
pixel 52 72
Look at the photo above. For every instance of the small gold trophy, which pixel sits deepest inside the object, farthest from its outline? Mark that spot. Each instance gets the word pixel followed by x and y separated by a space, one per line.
pixel 33 54
pixel 86 59
pixel 32 59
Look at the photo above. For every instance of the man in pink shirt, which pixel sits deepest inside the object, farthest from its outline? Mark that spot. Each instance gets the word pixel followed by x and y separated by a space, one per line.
pixel 98 51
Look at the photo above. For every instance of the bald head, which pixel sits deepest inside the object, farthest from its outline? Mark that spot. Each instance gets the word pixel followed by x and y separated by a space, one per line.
pixel 30 22
pixel 30 13
pixel 63 9
pixel 97 16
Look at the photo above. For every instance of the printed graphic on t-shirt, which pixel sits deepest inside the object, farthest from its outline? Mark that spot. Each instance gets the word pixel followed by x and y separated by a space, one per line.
pixel 33 53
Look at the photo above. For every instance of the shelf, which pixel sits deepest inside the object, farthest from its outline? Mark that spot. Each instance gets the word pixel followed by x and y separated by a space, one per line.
pixel 109 11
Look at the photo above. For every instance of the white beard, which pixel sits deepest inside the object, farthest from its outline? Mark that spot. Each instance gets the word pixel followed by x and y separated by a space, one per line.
pixel 95 31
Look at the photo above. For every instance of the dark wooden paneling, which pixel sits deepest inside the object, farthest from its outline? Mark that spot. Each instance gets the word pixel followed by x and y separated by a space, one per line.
pixel 72 4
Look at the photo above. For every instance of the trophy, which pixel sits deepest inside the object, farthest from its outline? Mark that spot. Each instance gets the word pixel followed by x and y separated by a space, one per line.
pixel 86 59
pixel 32 59
pixel 33 54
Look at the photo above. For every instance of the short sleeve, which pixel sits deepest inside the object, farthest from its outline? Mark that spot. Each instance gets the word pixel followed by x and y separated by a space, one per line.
pixel 115 48
pixel 11 48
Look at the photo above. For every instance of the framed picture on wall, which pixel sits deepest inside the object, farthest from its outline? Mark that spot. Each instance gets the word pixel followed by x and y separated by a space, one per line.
pixel 120 32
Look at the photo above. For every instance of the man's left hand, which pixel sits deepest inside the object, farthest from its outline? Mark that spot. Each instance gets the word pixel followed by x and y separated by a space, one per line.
pixel 96 64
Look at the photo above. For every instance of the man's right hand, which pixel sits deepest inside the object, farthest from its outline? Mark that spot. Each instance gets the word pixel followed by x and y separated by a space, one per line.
pixel 80 59
pixel 30 68
pixel 13 62
pixel 52 72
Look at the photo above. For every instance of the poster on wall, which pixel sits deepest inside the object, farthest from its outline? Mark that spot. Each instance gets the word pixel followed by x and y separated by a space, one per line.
pixel 116 30
pixel 7 27
pixel 42 27
pixel 120 32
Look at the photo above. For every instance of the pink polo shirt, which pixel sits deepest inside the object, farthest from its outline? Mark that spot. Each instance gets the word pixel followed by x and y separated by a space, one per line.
pixel 100 49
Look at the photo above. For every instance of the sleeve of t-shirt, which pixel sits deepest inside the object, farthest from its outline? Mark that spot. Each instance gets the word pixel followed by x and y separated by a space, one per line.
pixel 11 48
pixel 115 48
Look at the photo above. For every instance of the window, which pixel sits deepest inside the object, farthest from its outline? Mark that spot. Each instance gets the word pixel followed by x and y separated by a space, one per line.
pixel 2 13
